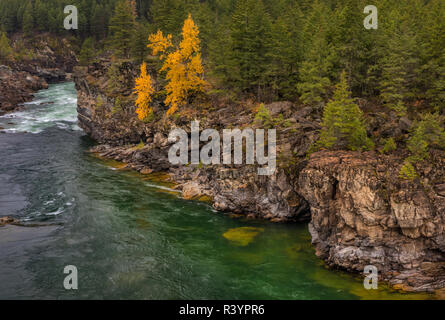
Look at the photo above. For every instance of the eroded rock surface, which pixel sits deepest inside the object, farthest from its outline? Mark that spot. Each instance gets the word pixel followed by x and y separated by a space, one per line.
pixel 363 214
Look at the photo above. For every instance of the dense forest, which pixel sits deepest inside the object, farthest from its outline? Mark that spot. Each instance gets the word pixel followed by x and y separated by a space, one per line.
pixel 268 50
pixel 272 49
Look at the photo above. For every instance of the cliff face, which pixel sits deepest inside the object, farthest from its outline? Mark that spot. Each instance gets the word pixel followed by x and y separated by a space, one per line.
pixel 17 88
pixel 363 214
pixel 37 62
pixel 360 212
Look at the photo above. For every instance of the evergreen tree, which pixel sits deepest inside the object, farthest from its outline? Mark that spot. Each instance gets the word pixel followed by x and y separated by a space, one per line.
pixel 285 53
pixel 249 38
pixel 314 79
pixel 122 26
pixel 5 48
pixel 342 125
pixel 41 15
pixel 399 69
pixel 87 52
pixel 426 133
pixel 28 19
pixel 168 15
pixel 138 46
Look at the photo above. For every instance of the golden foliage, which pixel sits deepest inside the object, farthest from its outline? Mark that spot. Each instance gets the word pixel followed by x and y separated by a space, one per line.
pixel 183 66
pixel 159 43
pixel 144 90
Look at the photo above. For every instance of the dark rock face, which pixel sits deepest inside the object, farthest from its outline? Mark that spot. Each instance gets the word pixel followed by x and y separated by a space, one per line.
pixel 360 212
pixel 17 88
pixel 52 60
pixel 363 214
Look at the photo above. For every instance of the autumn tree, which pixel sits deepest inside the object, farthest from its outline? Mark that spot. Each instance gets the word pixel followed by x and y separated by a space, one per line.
pixel 183 67
pixel 342 124
pixel 144 90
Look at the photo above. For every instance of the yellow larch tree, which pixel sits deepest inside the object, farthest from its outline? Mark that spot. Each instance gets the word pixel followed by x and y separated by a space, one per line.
pixel 158 43
pixel 144 90
pixel 184 70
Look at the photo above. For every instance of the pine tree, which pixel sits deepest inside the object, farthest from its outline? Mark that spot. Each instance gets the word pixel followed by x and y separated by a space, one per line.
pixel 5 48
pixel 285 53
pixel 399 69
pixel 41 15
pixel 352 43
pixel 122 26
pixel 342 125
pixel 138 47
pixel 87 52
pixel 249 39
pixel 426 133
pixel 314 71
pixel 168 15
pixel 28 19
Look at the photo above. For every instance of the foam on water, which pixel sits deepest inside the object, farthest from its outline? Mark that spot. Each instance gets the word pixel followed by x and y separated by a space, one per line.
pixel 55 106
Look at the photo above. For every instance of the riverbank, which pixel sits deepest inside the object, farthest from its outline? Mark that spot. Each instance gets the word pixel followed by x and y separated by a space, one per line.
pixel 132 237
pixel 360 211
pixel 35 63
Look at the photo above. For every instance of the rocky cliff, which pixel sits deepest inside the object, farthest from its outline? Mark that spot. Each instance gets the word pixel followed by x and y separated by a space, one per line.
pixel 359 211
pixel 363 214
pixel 35 63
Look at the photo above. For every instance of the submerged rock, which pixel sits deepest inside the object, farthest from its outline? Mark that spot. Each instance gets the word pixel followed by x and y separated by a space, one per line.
pixel 242 236
pixel 7 220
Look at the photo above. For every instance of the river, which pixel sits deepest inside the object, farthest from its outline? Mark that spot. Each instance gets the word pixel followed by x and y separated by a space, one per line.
pixel 132 237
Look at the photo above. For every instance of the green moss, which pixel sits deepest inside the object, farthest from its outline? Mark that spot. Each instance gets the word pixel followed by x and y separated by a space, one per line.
pixel 242 236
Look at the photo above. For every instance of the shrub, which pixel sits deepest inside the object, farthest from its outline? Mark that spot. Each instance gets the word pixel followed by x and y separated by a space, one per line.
pixel 263 116
pixel 426 133
pixel 5 48
pixel 407 171
pixel 390 146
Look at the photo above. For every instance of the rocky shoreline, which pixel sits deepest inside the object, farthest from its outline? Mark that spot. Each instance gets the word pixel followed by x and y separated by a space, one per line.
pixel 51 60
pixel 359 211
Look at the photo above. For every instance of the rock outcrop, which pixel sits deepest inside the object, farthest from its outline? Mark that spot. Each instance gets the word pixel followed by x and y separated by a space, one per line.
pixel 38 61
pixel 364 214
pixel 17 87
pixel 7 220
pixel 361 213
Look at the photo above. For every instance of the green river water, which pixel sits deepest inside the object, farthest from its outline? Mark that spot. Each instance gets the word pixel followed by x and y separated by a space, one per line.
pixel 131 237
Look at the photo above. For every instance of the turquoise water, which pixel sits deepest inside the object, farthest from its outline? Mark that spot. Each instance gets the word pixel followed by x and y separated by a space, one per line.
pixel 131 237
